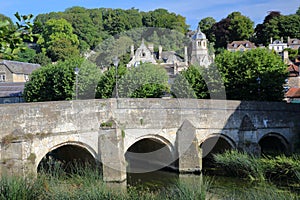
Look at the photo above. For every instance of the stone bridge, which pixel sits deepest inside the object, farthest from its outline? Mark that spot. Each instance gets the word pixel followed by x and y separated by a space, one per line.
pixel 117 134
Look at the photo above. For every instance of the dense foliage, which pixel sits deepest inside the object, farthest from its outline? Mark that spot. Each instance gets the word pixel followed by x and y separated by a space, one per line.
pixel 276 26
pixel 12 37
pixel 144 81
pixel 239 27
pixel 190 84
pixel 57 82
pixel 252 75
pixel 106 86
pixel 94 25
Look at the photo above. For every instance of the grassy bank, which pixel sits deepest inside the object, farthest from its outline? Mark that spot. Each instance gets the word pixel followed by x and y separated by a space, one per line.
pixel 280 170
pixel 88 184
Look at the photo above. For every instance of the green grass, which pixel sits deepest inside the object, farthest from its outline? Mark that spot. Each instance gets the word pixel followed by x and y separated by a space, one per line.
pixel 280 170
pixel 86 183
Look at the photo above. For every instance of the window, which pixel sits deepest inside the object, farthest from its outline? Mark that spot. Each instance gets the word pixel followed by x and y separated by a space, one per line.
pixel 2 77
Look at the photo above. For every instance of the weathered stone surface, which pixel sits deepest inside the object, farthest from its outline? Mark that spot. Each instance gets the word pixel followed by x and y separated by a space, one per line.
pixel 48 125
pixel 188 149
pixel 111 148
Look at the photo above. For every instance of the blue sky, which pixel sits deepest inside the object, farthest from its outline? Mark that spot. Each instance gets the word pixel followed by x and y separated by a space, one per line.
pixel 193 10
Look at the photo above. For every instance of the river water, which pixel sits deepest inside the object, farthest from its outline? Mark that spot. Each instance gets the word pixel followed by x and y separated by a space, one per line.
pixel 218 186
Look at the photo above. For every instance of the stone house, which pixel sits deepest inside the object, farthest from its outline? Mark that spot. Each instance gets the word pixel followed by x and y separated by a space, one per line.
pixel 13 76
pixel 293 43
pixel 278 45
pixel 14 71
pixel 196 53
pixel 240 46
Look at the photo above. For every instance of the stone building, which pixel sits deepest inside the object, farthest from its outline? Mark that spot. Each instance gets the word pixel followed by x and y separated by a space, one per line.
pixel 293 43
pixel 13 76
pixel 14 71
pixel 196 53
pixel 244 45
pixel 170 60
pixel 278 45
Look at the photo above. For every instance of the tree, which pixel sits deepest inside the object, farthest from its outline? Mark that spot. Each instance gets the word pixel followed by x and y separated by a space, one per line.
pixel 293 53
pixel 252 75
pixel 58 40
pixel 298 11
pixel 190 84
pixel 41 59
pixel 206 25
pixel 57 82
pixel 145 81
pixel 106 86
pixel 234 27
pixel 25 55
pixel 241 27
pixel 268 29
pixel 12 38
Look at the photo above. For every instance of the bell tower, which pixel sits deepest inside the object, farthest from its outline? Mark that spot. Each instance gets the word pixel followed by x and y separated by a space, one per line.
pixel 199 51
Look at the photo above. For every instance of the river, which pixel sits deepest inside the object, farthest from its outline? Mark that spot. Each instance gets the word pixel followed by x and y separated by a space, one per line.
pixel 218 186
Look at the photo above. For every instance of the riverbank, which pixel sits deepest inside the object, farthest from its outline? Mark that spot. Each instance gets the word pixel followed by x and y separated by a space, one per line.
pixel 88 184
pixel 251 178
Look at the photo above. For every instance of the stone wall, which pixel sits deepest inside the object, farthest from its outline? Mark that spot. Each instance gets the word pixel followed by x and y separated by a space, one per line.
pixel 30 130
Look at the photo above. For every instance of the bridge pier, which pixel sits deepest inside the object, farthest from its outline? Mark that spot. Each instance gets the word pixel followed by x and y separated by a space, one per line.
pixel 111 149
pixel 16 159
pixel 189 153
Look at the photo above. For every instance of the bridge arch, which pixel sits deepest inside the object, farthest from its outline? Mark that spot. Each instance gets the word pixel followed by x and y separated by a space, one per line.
pixel 213 144
pixel 150 153
pixel 67 153
pixel 273 144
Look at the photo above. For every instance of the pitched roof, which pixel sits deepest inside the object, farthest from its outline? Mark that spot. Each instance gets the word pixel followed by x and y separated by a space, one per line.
pixel 236 44
pixel 293 70
pixel 9 89
pixel 294 41
pixel 19 67
pixel 293 93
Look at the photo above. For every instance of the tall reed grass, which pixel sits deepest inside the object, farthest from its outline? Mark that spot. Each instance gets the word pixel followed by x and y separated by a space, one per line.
pixel 87 183
pixel 281 168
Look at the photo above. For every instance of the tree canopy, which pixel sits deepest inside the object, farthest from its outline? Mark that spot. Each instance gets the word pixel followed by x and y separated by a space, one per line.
pixel 58 40
pixel 57 81
pixel 252 75
pixel 190 84
pixel 12 37
pixel 145 81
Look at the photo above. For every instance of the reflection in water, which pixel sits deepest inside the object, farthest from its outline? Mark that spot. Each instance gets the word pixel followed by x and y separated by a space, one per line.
pixel 152 180
pixel 218 187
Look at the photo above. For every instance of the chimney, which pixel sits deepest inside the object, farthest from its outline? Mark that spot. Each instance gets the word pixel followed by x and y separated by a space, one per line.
pixel 132 51
pixel 286 57
pixel 271 40
pixel 281 39
pixel 159 52
pixel 185 55
pixel 289 40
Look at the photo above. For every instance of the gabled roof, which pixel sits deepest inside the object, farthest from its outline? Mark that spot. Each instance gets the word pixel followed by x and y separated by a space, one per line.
pixel 19 67
pixel 293 70
pixel 237 44
pixel 293 93
pixel 294 41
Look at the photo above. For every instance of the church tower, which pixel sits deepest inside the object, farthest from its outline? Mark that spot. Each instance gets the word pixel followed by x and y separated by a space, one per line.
pixel 199 52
